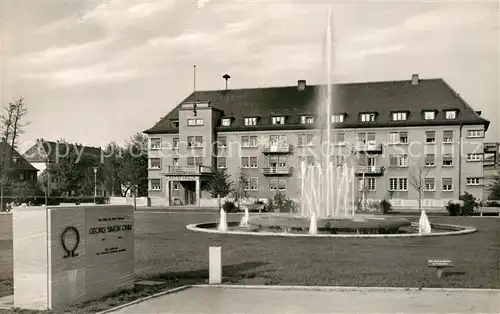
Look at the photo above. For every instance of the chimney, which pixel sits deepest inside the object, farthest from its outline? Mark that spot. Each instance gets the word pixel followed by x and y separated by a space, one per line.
pixel 414 79
pixel 301 85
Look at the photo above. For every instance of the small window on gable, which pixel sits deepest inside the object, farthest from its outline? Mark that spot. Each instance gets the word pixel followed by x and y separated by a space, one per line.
pixel 278 120
pixel 399 116
pixel 451 114
pixel 251 121
pixel 307 119
pixel 175 123
pixel 226 122
pixel 429 115
pixel 337 118
pixel 367 117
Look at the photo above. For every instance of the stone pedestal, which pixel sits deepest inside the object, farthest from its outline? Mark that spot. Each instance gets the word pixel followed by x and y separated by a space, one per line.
pixel 215 265
pixel 68 254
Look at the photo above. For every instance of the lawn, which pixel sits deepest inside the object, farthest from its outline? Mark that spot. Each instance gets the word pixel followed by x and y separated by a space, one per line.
pixel 166 250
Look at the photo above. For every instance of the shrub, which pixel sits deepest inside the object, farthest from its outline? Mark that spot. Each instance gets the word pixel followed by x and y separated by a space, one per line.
pixel 229 207
pixel 385 206
pixel 469 204
pixel 453 208
pixel 281 203
pixel 492 204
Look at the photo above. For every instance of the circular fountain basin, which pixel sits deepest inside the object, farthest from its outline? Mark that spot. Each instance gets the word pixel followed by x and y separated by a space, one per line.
pixel 360 226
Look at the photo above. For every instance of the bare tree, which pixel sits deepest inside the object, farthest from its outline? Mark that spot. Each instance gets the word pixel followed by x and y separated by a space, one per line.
pixel 418 174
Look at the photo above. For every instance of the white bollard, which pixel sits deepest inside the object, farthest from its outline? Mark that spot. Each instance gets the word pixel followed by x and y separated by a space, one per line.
pixel 215 265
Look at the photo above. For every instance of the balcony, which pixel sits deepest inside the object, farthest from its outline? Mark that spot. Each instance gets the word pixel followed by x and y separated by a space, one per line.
pixel 277 171
pixel 188 170
pixel 276 149
pixel 367 148
pixel 369 171
pixel 491 147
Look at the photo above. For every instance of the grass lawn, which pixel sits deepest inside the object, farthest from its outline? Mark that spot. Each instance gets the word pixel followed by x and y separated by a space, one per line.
pixel 166 250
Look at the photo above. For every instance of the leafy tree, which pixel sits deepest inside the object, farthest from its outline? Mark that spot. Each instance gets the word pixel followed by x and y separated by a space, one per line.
pixel 25 192
pixel 220 185
pixel 239 191
pixel 494 188
pixel 133 166
pixel 113 163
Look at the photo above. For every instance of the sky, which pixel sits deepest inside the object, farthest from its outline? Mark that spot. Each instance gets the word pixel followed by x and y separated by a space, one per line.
pixel 96 71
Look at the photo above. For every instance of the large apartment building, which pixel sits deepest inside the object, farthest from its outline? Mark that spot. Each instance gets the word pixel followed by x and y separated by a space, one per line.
pixel 391 129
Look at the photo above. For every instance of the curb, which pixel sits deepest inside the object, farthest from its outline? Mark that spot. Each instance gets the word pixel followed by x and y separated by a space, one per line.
pixel 159 294
pixel 464 230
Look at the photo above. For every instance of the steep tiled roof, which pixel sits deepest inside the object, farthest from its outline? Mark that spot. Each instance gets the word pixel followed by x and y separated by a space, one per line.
pixel 46 150
pixel 350 98
pixel 18 161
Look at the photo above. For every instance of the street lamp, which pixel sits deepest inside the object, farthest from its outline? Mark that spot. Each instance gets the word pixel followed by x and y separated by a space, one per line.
pixel 95 185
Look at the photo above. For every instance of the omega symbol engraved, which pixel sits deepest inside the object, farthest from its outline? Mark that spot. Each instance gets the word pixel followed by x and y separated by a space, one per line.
pixel 70 239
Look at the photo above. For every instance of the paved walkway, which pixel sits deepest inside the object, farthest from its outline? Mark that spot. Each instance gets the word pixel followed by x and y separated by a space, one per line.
pixel 258 300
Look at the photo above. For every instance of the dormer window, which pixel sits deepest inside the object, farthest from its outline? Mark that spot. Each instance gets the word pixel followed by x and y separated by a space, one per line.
pixel 451 114
pixel 338 118
pixel 251 121
pixel 367 117
pixel 429 115
pixel 307 119
pixel 226 122
pixel 175 123
pixel 399 116
pixel 278 120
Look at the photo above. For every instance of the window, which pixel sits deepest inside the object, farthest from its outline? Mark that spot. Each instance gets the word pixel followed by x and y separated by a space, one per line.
pixel 195 122
pixel 221 162
pixel 430 184
pixel 175 123
pixel 195 141
pixel 364 138
pixel 430 136
pixel 310 160
pixel 175 143
pixel 176 186
pixel 475 133
pixel 430 160
pixel 222 141
pixel 21 176
pixel 371 161
pixel 154 163
pixel 175 161
pixel 277 184
pixel 155 184
pixel 278 161
pixel 337 118
pixel 447 160
pixel 155 143
pixel 337 160
pixel 398 184
pixel 251 121
pixel 339 139
pixel 399 116
pixel 367 117
pixel 195 161
pixel 398 161
pixel 451 114
pixel 249 162
pixel 474 157
pixel 278 140
pixel 473 181
pixel 249 141
pixel 226 122
pixel 306 140
pixel 429 115
pixel 447 184
pixel 448 136
pixel 398 138
pixel 251 184
pixel 367 185
pixel 307 119
pixel 278 120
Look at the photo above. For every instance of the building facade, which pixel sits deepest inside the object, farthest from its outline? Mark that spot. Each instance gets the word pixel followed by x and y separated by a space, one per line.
pixel 491 165
pixel 389 131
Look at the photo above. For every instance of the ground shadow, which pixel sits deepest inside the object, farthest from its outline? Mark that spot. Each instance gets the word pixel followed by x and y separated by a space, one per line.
pixel 453 273
pixel 235 270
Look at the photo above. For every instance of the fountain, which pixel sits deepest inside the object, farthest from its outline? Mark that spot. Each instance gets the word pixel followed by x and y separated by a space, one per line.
pixel 328 190
pixel 223 221
pixel 244 220
pixel 424 226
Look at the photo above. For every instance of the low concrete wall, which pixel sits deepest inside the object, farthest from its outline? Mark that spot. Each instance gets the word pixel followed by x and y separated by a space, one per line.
pixel 140 201
pixel 5 226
